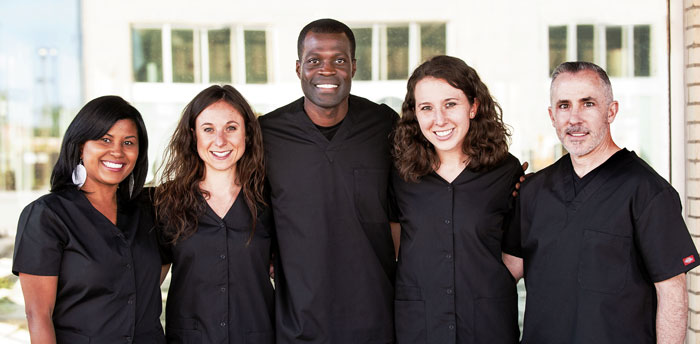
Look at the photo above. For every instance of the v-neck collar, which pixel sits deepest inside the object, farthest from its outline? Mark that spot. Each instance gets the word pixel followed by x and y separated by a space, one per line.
pixel 211 213
pixel 464 174
pixel 565 182
pixel 338 140
pixel 121 228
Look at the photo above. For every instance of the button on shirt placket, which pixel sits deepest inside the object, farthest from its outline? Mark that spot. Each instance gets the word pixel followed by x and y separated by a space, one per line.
pixel 448 225
pixel 225 278
pixel 130 284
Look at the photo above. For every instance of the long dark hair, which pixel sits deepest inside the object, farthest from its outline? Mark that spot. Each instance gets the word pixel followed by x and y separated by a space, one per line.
pixel 91 123
pixel 486 143
pixel 177 199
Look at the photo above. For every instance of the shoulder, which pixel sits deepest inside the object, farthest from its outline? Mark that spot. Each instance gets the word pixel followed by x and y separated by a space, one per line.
pixel 363 106
pixel 52 202
pixel 48 213
pixel 644 174
pixel 543 176
pixel 511 163
pixel 280 113
pixel 143 202
pixel 646 182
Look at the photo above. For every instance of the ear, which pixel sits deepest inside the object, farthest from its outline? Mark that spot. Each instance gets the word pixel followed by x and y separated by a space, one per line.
pixel 551 115
pixel 475 106
pixel 354 67
pixel 612 111
pixel 298 69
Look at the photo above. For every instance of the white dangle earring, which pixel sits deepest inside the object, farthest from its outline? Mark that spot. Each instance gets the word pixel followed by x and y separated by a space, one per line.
pixel 131 184
pixel 79 174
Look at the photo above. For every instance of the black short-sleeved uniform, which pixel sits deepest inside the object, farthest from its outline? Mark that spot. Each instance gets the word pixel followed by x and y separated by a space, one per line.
pixel 220 291
pixel 335 268
pixel 108 276
pixel 451 283
pixel 592 257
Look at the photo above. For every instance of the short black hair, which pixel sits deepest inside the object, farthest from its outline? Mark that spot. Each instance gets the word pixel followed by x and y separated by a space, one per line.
pixel 91 123
pixel 326 25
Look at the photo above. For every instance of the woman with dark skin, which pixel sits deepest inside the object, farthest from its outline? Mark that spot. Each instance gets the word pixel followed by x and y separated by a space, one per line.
pixel 214 224
pixel 86 254
pixel 453 184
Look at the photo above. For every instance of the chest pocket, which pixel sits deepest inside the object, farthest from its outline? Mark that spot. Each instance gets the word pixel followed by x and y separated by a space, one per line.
pixel 605 261
pixel 370 192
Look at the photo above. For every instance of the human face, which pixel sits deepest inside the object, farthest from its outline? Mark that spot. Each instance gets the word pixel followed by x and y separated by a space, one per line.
pixel 220 134
pixel 326 69
pixel 581 112
pixel 111 158
pixel 443 113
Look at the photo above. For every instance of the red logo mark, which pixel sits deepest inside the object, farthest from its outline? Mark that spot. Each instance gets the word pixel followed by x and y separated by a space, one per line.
pixel 689 260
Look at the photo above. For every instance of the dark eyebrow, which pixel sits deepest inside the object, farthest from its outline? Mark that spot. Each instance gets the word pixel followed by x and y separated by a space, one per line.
pixel 130 137
pixel 587 99
pixel 207 123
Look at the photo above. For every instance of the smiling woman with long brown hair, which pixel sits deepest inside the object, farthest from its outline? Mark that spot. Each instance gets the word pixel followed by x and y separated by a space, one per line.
pixel 214 224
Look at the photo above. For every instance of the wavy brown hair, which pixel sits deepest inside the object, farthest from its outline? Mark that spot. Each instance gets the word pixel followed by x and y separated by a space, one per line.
pixel 486 143
pixel 177 199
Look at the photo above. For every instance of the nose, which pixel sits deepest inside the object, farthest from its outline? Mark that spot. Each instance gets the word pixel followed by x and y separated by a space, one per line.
pixel 327 68
pixel 219 141
pixel 440 118
pixel 117 150
pixel 576 116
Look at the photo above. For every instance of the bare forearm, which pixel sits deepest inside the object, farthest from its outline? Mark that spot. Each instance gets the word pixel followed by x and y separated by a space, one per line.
pixel 514 265
pixel 672 310
pixel 41 329
pixel 396 237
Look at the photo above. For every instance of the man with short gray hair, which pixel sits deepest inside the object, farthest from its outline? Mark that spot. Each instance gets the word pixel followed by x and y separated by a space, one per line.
pixel 603 244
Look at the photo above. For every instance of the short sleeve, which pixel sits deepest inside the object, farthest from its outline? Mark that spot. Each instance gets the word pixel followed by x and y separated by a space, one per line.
pixel 511 223
pixel 511 231
pixel 41 237
pixel 393 207
pixel 663 239
pixel 165 247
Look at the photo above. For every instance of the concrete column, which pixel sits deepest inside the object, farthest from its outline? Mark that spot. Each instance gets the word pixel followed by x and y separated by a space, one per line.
pixel 692 154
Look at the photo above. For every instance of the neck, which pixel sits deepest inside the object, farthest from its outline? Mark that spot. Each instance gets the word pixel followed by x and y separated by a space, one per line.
pixel 102 194
pixel 220 182
pixel 587 163
pixel 451 164
pixel 326 117
pixel 104 199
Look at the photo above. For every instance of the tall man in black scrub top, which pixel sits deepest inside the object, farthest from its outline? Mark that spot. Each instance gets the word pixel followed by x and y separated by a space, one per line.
pixel 603 242
pixel 328 162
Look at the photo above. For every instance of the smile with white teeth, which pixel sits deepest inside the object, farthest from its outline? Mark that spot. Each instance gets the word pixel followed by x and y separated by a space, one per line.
pixel 221 154
pixel 444 132
pixel 577 134
pixel 112 164
pixel 326 86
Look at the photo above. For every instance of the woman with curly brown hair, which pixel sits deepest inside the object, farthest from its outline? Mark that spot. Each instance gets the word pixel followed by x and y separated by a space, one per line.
pixel 453 183
pixel 215 225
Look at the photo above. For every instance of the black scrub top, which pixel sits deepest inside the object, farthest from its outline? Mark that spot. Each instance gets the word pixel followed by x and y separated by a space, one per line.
pixel 335 268
pixel 220 290
pixel 451 283
pixel 108 276
pixel 591 259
